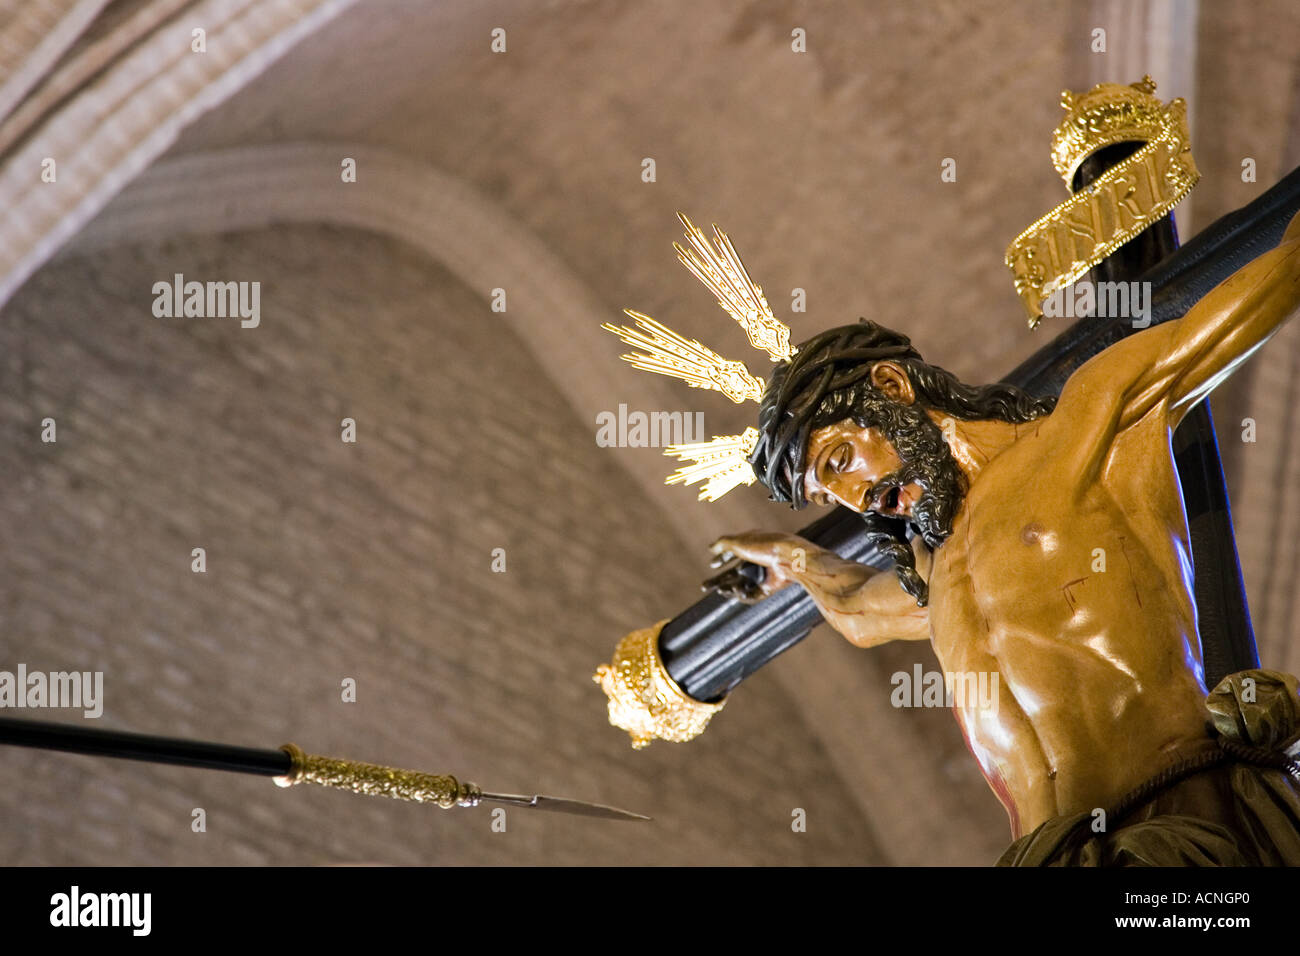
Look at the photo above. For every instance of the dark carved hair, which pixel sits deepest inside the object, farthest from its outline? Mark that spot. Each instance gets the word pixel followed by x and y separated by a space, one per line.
pixel 829 379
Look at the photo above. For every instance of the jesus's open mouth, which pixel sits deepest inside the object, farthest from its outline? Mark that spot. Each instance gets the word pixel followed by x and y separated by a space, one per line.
pixel 887 500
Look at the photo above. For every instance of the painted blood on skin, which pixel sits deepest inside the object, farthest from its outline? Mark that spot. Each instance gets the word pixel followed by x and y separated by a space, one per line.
pixel 993 776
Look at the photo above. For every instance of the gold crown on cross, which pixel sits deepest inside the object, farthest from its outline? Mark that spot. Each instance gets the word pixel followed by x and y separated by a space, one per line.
pixel 722 464
pixel 1106 114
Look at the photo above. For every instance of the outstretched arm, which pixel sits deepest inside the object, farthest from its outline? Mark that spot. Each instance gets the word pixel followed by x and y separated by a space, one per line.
pixel 867 606
pixel 1177 364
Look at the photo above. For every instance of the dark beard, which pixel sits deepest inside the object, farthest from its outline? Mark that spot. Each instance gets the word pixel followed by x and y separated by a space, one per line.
pixel 927 461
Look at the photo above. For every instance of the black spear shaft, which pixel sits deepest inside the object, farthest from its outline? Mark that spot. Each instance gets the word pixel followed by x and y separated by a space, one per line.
pixel 716 643
pixel 118 743
pixel 290 765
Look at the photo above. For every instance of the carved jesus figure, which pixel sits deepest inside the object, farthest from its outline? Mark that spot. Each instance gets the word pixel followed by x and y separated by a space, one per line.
pixel 1050 549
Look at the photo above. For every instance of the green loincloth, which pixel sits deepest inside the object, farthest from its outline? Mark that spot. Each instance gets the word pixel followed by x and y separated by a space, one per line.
pixel 1233 802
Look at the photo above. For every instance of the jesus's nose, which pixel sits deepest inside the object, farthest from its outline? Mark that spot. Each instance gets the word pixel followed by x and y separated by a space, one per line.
pixel 850 494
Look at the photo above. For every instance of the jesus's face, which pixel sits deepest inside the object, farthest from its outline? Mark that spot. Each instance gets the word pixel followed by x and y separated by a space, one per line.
pixel 856 467
pixel 903 470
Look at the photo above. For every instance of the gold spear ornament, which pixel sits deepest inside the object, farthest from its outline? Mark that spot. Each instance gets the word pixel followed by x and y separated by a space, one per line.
pixel 442 789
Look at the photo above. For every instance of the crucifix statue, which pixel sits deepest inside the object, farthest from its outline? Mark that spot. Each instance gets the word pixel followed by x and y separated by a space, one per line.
pixel 1039 541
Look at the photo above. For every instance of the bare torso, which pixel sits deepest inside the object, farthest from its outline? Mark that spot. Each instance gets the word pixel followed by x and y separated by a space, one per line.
pixel 1068 573
pixel 1078 597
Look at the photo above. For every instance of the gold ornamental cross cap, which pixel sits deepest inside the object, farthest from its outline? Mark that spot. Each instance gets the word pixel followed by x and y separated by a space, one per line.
pixel 1060 247
pixel 1106 114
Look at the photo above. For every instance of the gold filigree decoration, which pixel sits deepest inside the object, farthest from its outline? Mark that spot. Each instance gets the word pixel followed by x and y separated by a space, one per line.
pixel 667 353
pixel 719 268
pixel 1108 113
pixel 643 699
pixel 1061 246
pixel 721 464
pixel 376 781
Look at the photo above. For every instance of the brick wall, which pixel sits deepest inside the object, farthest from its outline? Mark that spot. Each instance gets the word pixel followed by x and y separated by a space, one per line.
pixel 328 560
